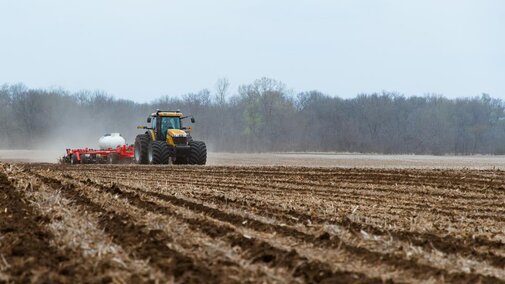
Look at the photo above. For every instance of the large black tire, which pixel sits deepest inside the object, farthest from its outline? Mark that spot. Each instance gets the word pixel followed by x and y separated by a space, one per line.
pixel 159 152
pixel 142 149
pixel 198 154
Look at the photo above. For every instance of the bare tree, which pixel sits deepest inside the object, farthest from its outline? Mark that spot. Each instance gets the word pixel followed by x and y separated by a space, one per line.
pixel 222 86
pixel 265 116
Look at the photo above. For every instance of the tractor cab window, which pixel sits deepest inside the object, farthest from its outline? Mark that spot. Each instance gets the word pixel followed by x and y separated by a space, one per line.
pixel 153 122
pixel 169 122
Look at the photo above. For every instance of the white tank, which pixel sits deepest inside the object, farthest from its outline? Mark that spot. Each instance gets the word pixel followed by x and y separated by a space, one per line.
pixel 112 140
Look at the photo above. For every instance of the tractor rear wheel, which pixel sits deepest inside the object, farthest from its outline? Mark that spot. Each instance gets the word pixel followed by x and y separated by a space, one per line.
pixel 198 154
pixel 159 152
pixel 141 149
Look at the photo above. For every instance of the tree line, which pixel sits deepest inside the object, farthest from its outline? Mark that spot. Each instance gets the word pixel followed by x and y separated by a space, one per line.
pixel 263 116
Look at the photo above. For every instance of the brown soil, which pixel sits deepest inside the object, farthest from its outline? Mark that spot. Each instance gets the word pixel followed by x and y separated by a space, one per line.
pixel 271 224
pixel 26 254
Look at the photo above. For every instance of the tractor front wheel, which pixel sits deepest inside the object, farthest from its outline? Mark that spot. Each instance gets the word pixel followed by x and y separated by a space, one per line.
pixel 159 152
pixel 198 154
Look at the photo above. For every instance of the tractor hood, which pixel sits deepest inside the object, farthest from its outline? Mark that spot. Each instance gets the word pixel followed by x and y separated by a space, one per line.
pixel 176 133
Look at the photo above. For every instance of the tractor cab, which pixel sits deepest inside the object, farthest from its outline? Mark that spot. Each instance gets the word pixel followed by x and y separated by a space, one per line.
pixel 166 137
pixel 166 125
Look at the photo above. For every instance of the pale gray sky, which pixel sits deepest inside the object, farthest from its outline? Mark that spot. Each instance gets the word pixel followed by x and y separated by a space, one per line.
pixel 141 50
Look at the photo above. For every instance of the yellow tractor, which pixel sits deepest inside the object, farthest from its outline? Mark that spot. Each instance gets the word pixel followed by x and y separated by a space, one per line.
pixel 168 141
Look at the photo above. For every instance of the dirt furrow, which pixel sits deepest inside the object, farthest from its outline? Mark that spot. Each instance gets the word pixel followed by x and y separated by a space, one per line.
pixel 140 241
pixel 310 270
pixel 470 247
pixel 470 180
pixel 379 214
pixel 442 206
pixel 357 224
pixel 26 253
pixel 445 200
pixel 324 240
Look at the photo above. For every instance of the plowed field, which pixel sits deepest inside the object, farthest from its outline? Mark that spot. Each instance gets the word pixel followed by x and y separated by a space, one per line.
pixel 122 224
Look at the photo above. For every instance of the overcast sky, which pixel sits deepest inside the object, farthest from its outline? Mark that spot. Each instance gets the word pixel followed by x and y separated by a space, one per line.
pixel 142 50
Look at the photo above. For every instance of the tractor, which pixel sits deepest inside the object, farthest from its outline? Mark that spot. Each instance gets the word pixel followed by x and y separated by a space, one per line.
pixel 166 141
